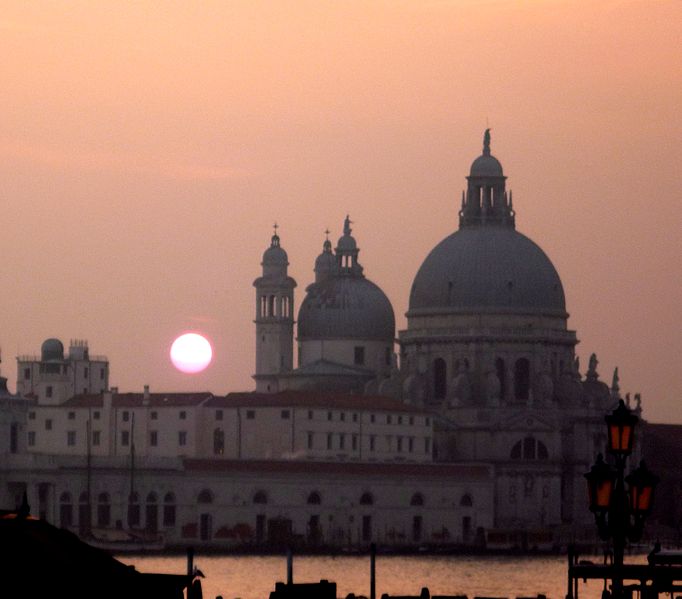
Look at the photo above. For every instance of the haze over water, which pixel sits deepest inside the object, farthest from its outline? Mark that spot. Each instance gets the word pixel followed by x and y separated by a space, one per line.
pixel 146 149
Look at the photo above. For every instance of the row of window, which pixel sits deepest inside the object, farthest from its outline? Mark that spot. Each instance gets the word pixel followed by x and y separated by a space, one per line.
pixel 96 438
pixel 315 498
pixel 103 510
pixel 50 369
pixel 340 416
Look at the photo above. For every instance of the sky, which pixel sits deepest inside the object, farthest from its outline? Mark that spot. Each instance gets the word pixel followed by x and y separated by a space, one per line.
pixel 147 148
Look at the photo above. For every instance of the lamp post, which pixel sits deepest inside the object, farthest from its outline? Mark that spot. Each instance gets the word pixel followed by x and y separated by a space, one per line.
pixel 620 512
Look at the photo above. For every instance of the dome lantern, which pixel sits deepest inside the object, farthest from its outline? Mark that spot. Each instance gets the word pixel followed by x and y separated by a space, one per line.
pixel 486 201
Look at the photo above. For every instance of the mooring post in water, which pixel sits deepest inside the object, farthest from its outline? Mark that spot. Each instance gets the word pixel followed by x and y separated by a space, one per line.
pixel 372 571
pixel 190 561
pixel 290 566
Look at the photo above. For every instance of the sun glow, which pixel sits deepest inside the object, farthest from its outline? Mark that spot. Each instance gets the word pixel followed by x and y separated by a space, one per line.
pixel 191 353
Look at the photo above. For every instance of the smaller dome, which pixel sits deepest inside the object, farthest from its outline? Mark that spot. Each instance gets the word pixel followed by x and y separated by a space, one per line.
pixel 275 255
pixel 52 349
pixel 486 166
pixel 346 243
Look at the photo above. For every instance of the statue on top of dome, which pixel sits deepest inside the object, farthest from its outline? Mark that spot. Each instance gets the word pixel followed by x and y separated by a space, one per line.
pixel 346 225
pixel 486 142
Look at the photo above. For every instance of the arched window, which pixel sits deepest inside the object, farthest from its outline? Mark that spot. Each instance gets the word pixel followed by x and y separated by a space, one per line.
pixel 169 510
pixel 366 499
pixel 151 498
pixel 314 498
pixel 521 378
pixel 133 510
pixel 466 500
pixel 417 499
pixel 440 382
pixel 103 510
pixel 529 449
pixel 218 441
pixel 65 510
pixel 542 451
pixel 260 497
pixel 271 305
pixel 501 375
pixel 205 496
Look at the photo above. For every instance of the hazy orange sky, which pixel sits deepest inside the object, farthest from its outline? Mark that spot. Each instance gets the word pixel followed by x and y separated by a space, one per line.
pixel 146 149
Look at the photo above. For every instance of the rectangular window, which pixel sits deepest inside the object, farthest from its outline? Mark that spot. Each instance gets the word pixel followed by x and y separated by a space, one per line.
pixel 101 374
pixel 154 415
pixel 310 440
pixel 400 419
pixel 342 441
pixel 400 443
pixel 85 373
pixel 342 416
pixel 153 438
pixel 427 445
pixel 355 417
pixel 427 421
pixel 182 438
pixel 372 442
pixel 372 418
pixel 183 415
pixel 310 414
pixel 355 442
pixel 125 438
pixel 48 391
pixel 286 414
pixel 95 437
pixel 31 415
pixel 329 440
pixel 218 414
pixel 71 438
pixel 27 374
pixel 126 416
pixel 31 438
pixel 48 424
pixel 389 419
pixel 72 415
pixel 411 420
pixel 329 416
pixel 359 355
pixel 410 444
pixel 250 414
pixel 95 415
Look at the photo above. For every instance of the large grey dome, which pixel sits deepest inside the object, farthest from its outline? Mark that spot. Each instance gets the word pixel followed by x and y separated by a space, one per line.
pixel 346 307
pixel 483 268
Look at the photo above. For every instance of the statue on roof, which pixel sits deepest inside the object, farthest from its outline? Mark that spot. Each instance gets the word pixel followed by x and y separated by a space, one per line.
pixel 592 367
pixel 486 142
pixel 346 225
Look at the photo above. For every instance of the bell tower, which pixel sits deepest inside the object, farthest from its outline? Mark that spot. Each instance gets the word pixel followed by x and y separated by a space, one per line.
pixel 274 318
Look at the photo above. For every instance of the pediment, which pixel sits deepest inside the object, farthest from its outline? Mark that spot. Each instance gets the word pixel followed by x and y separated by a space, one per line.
pixel 527 421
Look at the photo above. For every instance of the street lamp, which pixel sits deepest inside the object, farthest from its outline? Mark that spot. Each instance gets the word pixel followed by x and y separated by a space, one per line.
pixel 620 512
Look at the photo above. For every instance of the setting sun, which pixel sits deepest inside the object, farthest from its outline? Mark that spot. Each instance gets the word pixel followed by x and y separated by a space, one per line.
pixel 191 353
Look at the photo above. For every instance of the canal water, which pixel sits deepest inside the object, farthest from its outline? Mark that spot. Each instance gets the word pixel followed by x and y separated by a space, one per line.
pixel 252 577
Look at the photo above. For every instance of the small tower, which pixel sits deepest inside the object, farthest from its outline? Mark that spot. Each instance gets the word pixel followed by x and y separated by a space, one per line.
pixel 274 318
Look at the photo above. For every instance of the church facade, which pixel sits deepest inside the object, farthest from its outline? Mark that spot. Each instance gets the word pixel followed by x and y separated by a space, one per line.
pixel 487 350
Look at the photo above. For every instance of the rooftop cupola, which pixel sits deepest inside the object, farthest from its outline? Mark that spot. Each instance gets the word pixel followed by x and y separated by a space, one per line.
pixel 325 263
pixel 486 201
pixel 347 252
pixel 275 259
